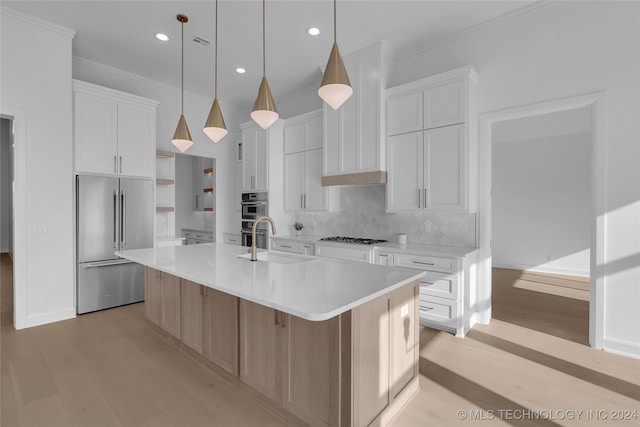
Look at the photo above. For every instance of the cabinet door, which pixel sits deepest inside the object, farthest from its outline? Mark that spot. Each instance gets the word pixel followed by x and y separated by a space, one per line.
pixel 238 186
pixel 153 295
pixel 294 138
pixel 171 305
pixel 404 114
pixel 95 134
pixel 405 172
pixel 221 329
pixel 315 194
pixel 313 134
pixel 136 140
pixel 262 160
pixel 444 168
pixel 261 349
pixel 192 319
pixel 255 159
pixel 332 140
pixel 404 330
pixel 294 181
pixel 444 105
pixel 311 362
pixel 249 137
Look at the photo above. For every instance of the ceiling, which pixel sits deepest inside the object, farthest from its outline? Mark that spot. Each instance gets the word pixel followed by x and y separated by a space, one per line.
pixel 120 34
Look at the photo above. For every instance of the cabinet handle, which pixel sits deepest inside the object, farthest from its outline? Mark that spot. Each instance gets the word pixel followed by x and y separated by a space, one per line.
pixel 422 263
pixel 427 283
pixel 120 164
pixel 301 202
pixel 115 164
pixel 428 308
pixel 419 203
pixel 197 202
pixel 305 201
pixel 286 246
pixel 275 317
pixel 283 317
pixel 425 197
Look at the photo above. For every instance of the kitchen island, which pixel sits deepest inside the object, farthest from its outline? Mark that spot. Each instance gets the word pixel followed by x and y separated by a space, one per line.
pixel 320 342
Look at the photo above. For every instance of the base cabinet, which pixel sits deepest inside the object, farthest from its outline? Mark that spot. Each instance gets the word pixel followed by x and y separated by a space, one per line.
pixel 220 329
pixel 163 300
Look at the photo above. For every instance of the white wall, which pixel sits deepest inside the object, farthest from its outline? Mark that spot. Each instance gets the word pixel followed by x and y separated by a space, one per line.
pixel 196 111
pixel 542 198
pixel 560 50
pixel 5 186
pixel 36 89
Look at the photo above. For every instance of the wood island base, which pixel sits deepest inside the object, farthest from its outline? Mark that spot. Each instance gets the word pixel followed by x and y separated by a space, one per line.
pixel 359 368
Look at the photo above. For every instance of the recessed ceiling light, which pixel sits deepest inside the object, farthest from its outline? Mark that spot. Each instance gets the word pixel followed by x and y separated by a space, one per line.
pixel 162 37
pixel 240 70
pixel 313 31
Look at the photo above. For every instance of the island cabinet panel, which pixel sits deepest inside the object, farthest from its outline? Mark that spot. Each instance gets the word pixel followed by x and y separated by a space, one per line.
pixel 162 291
pixel 311 370
pixel 370 353
pixel 405 338
pixel 220 340
pixel 261 350
pixel 192 318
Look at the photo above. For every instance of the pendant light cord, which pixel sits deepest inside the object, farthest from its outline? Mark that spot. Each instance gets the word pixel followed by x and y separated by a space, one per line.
pixel 264 60
pixel 182 68
pixel 215 95
pixel 334 21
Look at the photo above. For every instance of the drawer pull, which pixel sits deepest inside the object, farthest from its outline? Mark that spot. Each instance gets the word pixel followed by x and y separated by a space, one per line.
pixel 428 308
pixel 422 263
pixel 427 283
pixel 286 246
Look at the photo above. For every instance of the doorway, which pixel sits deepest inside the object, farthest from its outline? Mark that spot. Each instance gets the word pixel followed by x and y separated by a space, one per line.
pixel 572 255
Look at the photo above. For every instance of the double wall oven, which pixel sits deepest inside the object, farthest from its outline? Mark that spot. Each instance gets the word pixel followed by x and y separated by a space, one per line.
pixel 255 205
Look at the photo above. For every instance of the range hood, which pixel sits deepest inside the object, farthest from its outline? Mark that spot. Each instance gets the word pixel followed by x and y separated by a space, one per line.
pixel 360 178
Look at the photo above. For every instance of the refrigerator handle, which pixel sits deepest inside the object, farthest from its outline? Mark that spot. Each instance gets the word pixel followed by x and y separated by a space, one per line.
pixel 115 219
pixel 123 218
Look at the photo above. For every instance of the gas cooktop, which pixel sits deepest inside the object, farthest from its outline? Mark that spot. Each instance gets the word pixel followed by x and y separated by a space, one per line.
pixel 357 240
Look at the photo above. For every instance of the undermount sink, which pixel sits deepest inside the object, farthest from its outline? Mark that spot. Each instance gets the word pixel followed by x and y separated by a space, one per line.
pixel 278 258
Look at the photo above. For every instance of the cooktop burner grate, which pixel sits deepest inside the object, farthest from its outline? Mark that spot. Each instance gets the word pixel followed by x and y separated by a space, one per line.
pixel 357 240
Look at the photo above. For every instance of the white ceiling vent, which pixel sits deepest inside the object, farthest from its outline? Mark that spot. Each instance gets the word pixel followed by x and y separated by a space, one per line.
pixel 201 41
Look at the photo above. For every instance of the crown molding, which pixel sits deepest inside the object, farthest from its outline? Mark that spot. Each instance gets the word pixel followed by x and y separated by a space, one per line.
pixel 141 79
pixel 37 22
pixel 402 54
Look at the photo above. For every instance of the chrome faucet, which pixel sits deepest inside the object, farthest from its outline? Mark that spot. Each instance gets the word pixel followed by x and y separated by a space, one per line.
pixel 254 248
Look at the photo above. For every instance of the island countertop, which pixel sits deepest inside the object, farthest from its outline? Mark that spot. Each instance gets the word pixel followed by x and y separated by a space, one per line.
pixel 308 287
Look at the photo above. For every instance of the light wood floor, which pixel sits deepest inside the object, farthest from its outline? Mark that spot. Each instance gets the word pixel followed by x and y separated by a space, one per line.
pixel 109 369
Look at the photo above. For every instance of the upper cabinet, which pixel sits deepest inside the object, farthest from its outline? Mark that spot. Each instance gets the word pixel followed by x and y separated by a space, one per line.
pixel 431 144
pixel 114 132
pixel 354 134
pixel 303 166
pixel 255 157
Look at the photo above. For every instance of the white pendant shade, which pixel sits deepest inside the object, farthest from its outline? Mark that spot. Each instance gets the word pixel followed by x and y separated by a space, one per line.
pixel 182 137
pixel 335 94
pixel 264 118
pixel 182 144
pixel 215 128
pixel 215 134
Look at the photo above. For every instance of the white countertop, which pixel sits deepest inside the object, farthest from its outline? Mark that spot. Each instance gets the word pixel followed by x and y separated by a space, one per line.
pixel 316 289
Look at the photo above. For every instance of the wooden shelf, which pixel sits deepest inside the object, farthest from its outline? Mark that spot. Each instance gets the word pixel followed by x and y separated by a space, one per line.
pixel 164 154
pixel 165 208
pixel 208 171
pixel 165 181
pixel 208 209
pixel 208 190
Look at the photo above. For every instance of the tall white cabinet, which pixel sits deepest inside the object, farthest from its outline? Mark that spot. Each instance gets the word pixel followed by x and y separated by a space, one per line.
pixel 114 132
pixel 303 155
pixel 255 157
pixel 431 144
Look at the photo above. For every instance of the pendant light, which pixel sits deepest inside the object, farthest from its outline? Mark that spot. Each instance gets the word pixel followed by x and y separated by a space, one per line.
pixel 182 136
pixel 335 88
pixel 264 109
pixel 215 127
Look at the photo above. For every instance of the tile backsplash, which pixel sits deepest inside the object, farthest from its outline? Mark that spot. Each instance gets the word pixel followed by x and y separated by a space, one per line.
pixel 363 214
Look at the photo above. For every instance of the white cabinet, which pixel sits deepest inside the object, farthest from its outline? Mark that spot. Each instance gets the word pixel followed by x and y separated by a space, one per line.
pixel 255 158
pixel 354 134
pixel 303 156
pixel 431 144
pixel 297 246
pixel 114 132
pixel 427 170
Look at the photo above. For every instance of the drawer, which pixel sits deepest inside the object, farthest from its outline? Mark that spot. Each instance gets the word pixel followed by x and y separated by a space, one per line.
pixel 421 262
pixel 349 254
pixel 440 285
pixel 188 235
pixel 287 247
pixel 232 239
pixel 439 310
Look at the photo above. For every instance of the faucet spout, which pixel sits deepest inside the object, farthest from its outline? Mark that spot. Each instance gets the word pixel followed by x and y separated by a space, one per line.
pixel 254 248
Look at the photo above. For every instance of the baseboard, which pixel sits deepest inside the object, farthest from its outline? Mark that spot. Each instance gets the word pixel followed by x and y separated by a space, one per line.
pixel 43 319
pixel 622 347
pixel 542 269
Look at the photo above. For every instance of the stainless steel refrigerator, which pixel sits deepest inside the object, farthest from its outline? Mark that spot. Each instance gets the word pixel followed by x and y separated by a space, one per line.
pixel 112 214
